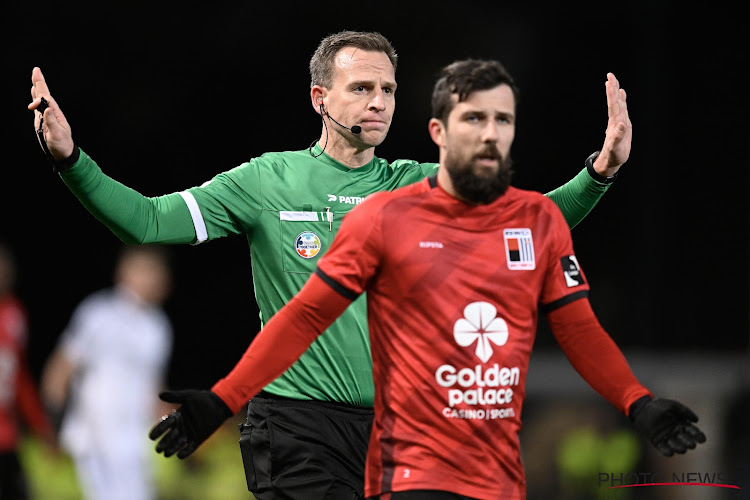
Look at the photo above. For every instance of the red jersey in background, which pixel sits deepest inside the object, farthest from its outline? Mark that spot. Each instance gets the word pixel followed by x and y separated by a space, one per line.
pixel 19 396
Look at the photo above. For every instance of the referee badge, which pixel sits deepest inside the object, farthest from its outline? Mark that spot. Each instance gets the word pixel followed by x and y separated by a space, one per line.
pixel 519 249
pixel 307 244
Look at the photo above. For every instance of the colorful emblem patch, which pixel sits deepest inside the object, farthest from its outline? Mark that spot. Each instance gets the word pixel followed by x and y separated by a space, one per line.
pixel 307 245
pixel 519 249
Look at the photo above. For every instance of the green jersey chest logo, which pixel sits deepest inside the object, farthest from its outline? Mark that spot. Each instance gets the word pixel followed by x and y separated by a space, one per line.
pixel 307 244
pixel 346 200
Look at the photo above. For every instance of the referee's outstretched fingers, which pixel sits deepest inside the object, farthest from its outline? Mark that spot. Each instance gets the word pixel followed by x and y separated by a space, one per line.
pixel 57 133
pixel 38 84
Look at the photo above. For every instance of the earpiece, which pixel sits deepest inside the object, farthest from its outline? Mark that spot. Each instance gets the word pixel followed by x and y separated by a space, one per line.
pixel 355 129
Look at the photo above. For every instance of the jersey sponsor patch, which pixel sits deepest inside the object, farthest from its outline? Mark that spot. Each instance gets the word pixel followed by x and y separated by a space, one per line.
pixel 479 390
pixel 430 244
pixel 481 324
pixel 571 271
pixel 519 249
pixel 307 244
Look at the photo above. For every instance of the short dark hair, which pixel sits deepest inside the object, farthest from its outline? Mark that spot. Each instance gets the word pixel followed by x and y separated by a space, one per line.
pixel 463 78
pixel 321 63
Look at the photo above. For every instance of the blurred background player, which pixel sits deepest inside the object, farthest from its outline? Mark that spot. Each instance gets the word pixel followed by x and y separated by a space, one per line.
pixel 19 399
pixel 105 374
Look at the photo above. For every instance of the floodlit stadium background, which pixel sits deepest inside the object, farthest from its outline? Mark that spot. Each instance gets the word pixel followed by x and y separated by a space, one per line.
pixel 163 97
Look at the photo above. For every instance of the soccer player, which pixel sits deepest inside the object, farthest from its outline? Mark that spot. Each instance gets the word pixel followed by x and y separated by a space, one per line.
pixel 455 269
pixel 104 375
pixel 21 407
pixel 290 205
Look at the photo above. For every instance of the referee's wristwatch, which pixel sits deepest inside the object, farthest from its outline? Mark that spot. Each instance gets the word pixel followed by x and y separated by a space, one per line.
pixel 593 173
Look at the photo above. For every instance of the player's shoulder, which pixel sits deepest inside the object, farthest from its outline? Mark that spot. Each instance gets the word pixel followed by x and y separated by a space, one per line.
pixel 270 163
pixel 403 192
pixel 97 301
pixel 532 200
pixel 13 320
pixel 286 156
pixel 11 304
pixel 529 195
pixel 404 164
pixel 278 159
pixel 380 200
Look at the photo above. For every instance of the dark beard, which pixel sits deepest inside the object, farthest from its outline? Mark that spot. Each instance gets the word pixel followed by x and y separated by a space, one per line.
pixel 478 189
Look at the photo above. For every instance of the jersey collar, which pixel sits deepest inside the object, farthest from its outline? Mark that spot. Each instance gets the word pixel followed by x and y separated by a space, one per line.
pixel 321 155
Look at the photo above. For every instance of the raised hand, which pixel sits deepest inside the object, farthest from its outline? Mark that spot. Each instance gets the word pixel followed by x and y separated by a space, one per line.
pixel 619 134
pixel 55 128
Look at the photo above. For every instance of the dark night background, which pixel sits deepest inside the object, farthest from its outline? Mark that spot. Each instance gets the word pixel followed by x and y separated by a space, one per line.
pixel 165 95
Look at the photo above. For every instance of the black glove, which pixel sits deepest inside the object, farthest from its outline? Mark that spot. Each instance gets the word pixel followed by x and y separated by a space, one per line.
pixel 667 424
pixel 199 415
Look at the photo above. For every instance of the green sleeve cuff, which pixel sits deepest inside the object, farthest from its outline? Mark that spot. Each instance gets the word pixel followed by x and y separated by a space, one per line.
pixel 577 197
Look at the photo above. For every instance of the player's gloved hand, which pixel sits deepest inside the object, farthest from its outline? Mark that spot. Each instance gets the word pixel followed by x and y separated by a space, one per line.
pixel 200 413
pixel 667 424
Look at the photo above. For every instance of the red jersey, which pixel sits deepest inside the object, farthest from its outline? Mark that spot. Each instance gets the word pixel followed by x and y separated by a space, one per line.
pixel 19 396
pixel 453 294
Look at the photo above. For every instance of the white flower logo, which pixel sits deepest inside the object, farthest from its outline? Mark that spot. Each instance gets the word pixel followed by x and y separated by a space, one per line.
pixel 480 323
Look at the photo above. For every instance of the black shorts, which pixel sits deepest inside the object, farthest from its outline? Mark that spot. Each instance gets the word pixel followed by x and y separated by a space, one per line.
pixel 305 450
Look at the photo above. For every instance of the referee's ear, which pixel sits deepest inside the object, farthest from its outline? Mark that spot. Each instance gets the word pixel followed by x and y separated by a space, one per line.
pixel 317 96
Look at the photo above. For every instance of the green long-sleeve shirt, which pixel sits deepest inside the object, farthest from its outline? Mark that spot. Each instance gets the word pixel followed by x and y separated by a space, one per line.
pixel 289 206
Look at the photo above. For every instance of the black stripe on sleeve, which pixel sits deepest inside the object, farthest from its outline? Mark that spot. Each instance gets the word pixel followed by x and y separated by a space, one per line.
pixel 340 289
pixel 546 308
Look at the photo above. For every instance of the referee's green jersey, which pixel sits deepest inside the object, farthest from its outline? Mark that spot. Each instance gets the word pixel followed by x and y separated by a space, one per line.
pixel 289 205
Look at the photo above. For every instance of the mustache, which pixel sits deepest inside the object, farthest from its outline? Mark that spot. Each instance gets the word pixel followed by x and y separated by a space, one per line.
pixel 490 150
